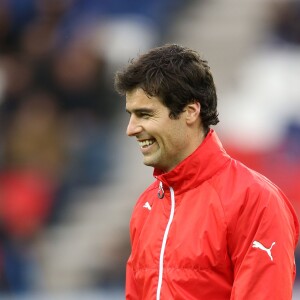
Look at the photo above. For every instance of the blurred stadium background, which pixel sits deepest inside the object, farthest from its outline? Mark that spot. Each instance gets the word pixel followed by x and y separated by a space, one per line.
pixel 69 176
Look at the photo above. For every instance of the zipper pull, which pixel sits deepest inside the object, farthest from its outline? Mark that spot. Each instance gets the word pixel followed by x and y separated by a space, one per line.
pixel 161 192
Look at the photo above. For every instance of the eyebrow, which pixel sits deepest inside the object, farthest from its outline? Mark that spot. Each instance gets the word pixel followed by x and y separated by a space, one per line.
pixel 140 110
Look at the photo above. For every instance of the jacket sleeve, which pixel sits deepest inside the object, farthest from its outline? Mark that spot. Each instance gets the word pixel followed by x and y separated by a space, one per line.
pixel 131 288
pixel 261 243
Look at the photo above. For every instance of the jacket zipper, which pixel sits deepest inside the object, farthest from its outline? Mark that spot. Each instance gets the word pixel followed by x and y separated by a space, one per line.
pixel 163 246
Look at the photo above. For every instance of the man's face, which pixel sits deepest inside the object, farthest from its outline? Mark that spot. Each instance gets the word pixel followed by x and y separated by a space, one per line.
pixel 164 142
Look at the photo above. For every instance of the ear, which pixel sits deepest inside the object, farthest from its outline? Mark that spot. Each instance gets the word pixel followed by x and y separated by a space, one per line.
pixel 192 112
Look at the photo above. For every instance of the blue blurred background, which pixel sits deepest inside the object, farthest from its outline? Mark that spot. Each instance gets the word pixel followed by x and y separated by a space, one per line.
pixel 69 176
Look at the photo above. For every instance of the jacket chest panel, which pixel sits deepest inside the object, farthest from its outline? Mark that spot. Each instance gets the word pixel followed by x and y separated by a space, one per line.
pixel 197 236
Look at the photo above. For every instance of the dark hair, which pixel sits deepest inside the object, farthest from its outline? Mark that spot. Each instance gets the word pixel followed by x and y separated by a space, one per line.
pixel 175 74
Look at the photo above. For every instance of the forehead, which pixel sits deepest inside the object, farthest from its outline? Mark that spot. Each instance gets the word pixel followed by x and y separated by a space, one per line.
pixel 138 98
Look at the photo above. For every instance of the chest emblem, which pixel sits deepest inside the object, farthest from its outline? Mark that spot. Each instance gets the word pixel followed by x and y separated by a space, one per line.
pixel 147 205
pixel 258 245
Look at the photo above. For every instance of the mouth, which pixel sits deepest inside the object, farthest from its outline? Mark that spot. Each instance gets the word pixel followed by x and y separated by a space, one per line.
pixel 146 143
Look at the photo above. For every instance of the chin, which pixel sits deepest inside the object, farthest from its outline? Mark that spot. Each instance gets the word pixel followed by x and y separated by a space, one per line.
pixel 150 163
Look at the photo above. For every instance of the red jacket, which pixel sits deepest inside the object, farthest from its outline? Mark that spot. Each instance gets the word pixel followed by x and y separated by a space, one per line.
pixel 211 229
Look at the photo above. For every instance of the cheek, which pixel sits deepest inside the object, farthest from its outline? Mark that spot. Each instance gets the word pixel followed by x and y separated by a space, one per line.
pixel 176 139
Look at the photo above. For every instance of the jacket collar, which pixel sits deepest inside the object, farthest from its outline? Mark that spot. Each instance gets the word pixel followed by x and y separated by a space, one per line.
pixel 198 167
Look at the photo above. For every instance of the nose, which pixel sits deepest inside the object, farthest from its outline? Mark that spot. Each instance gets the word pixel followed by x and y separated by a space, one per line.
pixel 133 127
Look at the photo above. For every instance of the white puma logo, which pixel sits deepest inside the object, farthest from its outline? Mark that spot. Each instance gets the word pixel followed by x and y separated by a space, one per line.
pixel 262 247
pixel 147 205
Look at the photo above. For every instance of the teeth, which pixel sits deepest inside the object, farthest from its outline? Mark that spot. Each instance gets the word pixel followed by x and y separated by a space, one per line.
pixel 146 143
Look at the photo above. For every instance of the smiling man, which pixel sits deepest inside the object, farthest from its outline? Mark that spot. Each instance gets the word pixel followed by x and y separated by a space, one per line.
pixel 164 141
pixel 208 227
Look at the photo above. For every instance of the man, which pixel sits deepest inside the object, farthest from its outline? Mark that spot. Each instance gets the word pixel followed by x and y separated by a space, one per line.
pixel 208 227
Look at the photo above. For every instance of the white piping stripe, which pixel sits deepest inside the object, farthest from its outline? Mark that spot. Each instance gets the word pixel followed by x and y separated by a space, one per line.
pixel 163 246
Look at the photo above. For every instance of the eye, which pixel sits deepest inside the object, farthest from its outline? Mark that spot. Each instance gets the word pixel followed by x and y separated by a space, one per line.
pixel 144 115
